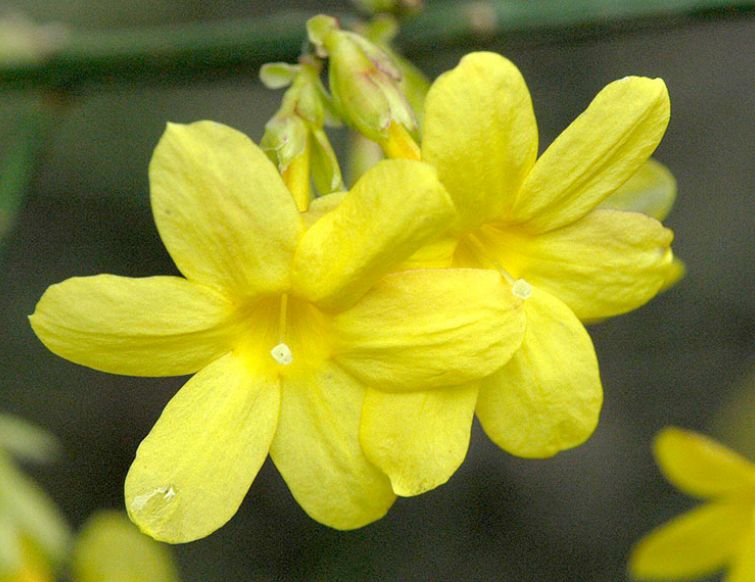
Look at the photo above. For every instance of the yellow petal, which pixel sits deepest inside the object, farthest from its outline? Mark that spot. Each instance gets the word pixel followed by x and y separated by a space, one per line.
pixel 316 449
pixel 608 263
pixel 674 273
pixel 418 439
pixel 320 206
pixel 438 254
pixel 693 545
pixel 595 155
pixel 651 190
pixel 417 330
pixel 394 209
pixel 548 397
pixel 700 466
pixel 197 464
pixel 157 326
pixel 743 566
pixel 481 135
pixel 111 548
pixel 222 209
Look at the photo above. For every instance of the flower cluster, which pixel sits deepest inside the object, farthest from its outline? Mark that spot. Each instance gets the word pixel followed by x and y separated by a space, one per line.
pixel 353 337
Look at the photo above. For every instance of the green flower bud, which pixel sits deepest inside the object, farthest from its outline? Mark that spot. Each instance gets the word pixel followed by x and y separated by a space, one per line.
pixel 294 138
pixel 285 139
pixel 326 172
pixel 382 30
pixel 364 80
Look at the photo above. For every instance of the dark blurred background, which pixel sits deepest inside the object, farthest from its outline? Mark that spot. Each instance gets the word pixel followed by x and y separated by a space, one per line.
pixel 684 359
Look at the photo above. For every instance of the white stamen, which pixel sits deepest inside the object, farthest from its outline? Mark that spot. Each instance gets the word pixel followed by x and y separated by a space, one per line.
pixel 282 354
pixel 521 289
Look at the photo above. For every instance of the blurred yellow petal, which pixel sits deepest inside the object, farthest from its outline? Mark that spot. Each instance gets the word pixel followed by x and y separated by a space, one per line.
pixel 417 330
pixel 11 554
pixel 595 155
pixel 418 439
pixel 651 190
pixel 675 272
pixel 548 397
pixel 700 466
pixel 110 548
pixel 156 326
pixel 197 464
pixel 316 449
pixel 608 263
pixel 222 209
pixel 32 515
pixel 27 564
pixel 743 566
pixel 693 545
pixel 481 135
pixel 394 209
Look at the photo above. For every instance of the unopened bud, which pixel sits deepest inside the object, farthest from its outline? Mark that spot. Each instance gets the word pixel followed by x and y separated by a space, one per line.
pixel 294 138
pixel 381 30
pixel 285 138
pixel 364 80
pixel 326 172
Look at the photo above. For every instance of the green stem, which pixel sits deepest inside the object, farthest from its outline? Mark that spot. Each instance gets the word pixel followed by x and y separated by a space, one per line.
pixel 239 47
pixel 459 23
pixel 17 167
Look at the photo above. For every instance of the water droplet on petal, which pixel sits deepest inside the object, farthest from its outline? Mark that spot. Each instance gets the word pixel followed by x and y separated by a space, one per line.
pixel 140 501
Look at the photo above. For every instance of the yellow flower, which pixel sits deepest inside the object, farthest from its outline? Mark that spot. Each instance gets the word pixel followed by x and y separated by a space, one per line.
pixel 537 223
pixel 285 327
pixel 720 533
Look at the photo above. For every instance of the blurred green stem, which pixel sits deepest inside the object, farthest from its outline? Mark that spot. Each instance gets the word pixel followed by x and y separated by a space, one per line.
pixel 32 125
pixel 239 47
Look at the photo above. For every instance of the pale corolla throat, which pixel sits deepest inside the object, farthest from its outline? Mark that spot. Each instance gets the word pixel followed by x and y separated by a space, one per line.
pixel 281 353
pixel 519 287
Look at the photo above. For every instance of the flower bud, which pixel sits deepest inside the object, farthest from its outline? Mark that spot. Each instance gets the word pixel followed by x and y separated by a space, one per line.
pixel 294 138
pixel 364 81
pixel 381 30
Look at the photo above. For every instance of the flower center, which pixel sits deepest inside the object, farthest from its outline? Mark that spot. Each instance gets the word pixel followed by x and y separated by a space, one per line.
pixel 473 250
pixel 282 352
pixel 283 333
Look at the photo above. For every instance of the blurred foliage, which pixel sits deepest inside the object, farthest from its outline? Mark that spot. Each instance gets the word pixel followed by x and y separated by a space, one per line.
pixel 26 441
pixel 34 536
pixel 111 549
pixel 35 541
pixel 29 126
